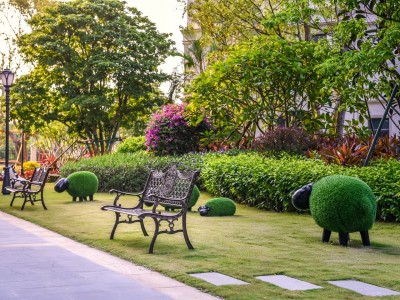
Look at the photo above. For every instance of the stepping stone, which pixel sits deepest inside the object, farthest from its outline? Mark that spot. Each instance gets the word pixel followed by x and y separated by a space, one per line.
pixel 218 278
pixel 289 283
pixel 363 288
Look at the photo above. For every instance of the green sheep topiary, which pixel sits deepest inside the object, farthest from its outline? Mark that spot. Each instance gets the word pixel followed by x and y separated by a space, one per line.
pixel 220 207
pixel 194 197
pixel 82 184
pixel 341 204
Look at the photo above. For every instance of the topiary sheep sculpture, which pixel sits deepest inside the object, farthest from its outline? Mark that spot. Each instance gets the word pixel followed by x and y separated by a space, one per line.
pixel 218 207
pixel 341 204
pixel 192 201
pixel 80 185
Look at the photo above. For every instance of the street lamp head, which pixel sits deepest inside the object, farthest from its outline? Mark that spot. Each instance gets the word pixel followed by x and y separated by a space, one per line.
pixel 7 77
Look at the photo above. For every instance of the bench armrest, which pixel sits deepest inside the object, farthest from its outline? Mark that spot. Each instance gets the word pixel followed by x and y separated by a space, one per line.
pixel 122 193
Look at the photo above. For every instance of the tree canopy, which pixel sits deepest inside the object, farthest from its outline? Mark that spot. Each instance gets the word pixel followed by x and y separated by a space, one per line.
pixel 357 61
pixel 95 69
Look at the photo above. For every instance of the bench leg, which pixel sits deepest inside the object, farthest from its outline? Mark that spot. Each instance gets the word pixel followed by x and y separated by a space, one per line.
pixel 143 228
pixel 42 200
pixel 26 198
pixel 117 215
pixel 153 240
pixel 185 234
pixel 12 200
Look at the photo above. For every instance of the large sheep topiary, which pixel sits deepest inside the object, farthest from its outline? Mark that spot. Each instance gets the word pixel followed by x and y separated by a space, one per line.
pixel 341 204
pixel 80 185
pixel 218 207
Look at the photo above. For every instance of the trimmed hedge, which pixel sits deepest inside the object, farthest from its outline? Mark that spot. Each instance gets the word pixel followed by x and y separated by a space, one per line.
pixel 128 171
pixel 249 178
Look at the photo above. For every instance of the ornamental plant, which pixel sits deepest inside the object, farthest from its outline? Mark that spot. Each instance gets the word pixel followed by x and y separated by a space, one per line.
pixel 170 133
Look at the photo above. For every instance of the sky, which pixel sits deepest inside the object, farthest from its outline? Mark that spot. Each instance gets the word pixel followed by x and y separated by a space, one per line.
pixel 167 15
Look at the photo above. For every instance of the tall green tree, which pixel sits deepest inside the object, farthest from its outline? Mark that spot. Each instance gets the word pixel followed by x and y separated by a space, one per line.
pixel 261 84
pixel 96 69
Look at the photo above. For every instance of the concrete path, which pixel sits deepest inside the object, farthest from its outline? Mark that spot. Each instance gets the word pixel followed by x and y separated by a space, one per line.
pixel 37 264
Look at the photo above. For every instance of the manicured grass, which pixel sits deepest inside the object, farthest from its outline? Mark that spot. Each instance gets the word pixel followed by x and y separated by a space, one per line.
pixel 251 243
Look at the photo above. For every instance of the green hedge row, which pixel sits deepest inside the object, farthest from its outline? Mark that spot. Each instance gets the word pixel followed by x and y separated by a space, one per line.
pixel 127 171
pixel 268 183
pixel 263 182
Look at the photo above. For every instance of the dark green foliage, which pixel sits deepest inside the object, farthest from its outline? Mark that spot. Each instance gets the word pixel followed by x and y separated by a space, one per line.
pixel 132 144
pixel 221 207
pixel 343 204
pixel 82 184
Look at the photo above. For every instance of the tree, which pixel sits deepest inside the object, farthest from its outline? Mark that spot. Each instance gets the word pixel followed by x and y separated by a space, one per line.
pixel 259 85
pixel 96 69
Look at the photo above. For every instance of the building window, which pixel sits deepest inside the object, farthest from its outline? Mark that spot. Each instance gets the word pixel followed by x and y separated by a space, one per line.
pixel 375 124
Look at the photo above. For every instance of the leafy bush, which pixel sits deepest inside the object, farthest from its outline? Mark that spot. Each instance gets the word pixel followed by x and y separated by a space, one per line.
pixel 221 207
pixel 291 140
pixel 169 133
pixel 30 165
pixel 132 144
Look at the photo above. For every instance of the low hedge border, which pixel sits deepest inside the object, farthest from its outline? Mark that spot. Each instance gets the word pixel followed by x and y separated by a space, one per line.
pixel 248 178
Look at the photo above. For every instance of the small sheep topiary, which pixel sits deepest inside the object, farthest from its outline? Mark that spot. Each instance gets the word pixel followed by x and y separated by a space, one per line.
pixel 341 204
pixel 218 207
pixel 80 185
pixel 194 197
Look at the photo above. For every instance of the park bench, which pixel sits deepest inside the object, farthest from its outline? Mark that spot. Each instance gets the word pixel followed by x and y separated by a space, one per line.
pixel 171 187
pixel 30 190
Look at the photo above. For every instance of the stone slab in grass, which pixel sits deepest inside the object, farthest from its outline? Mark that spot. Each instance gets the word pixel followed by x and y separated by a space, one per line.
pixel 289 283
pixel 218 278
pixel 363 288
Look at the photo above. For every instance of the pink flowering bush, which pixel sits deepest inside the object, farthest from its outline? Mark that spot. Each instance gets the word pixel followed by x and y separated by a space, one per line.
pixel 170 133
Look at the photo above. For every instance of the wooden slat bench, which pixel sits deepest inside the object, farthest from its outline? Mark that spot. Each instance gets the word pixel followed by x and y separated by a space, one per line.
pixel 30 190
pixel 171 187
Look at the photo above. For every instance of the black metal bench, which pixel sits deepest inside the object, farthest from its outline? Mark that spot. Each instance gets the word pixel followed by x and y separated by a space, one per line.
pixel 30 190
pixel 172 188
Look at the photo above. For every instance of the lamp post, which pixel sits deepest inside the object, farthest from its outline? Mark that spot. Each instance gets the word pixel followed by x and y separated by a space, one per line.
pixel 7 78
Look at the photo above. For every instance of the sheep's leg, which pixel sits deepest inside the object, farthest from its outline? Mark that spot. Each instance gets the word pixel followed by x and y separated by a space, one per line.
pixel 343 238
pixel 326 235
pixel 365 237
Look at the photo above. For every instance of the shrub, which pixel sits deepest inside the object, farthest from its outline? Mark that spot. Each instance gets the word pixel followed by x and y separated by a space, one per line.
pixel 221 207
pixel 291 140
pixel 132 144
pixel 82 184
pixel 343 204
pixel 169 133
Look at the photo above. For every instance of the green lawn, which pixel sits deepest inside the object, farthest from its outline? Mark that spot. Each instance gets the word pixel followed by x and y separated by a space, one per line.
pixel 252 243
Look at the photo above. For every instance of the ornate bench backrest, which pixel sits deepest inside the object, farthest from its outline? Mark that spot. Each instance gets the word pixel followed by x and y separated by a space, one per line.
pixel 172 184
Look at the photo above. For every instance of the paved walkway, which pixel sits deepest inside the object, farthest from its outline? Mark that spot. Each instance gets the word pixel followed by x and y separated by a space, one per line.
pixel 36 263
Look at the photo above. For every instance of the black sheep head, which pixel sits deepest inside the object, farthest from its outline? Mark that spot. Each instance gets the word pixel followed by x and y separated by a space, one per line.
pixel 61 185
pixel 301 197
pixel 203 210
